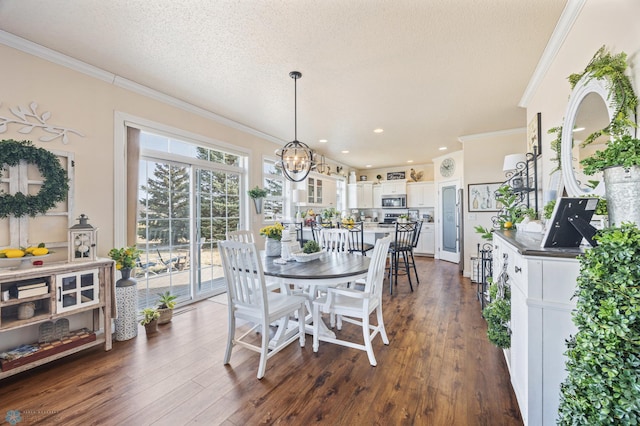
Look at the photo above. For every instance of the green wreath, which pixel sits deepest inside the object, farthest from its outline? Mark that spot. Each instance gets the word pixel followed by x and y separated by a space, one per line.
pixel 53 190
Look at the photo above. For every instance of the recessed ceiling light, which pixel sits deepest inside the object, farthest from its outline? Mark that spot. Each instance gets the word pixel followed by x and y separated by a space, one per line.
pixel 409 161
pixel 345 151
pixel 323 141
pixel 378 130
pixel 368 165
pixel 443 148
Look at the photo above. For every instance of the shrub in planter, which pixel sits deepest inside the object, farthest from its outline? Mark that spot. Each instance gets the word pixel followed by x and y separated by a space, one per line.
pixel 603 382
pixel 498 316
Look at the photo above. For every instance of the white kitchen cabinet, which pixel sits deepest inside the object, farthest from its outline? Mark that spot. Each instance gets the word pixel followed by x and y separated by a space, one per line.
pixel 394 187
pixel 543 282
pixel 426 243
pixel 377 196
pixel 321 190
pixel 421 194
pixel 361 195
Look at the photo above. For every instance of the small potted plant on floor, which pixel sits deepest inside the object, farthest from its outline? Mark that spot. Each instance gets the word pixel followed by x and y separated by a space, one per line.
pixel 166 303
pixel 257 194
pixel 150 320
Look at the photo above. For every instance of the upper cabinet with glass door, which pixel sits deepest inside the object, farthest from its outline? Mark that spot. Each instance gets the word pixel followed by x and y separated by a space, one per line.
pixel 321 190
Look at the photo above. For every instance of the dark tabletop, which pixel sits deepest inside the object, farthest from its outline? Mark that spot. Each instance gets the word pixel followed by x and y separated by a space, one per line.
pixel 329 265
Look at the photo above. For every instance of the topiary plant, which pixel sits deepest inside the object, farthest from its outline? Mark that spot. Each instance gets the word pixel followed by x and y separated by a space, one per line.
pixel 311 247
pixel 603 365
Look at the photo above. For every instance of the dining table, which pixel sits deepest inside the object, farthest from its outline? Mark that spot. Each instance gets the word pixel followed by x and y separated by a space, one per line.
pixel 329 270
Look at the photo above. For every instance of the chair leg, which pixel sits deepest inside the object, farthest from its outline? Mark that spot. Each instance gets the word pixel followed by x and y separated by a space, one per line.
pixel 382 330
pixel 316 326
pixel 231 334
pixel 264 350
pixel 413 262
pixel 406 268
pixel 301 326
pixel 366 333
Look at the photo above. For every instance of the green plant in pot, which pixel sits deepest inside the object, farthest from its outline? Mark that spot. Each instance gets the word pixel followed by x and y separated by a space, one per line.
pixel 620 162
pixel 150 319
pixel 603 358
pixel 257 194
pixel 166 303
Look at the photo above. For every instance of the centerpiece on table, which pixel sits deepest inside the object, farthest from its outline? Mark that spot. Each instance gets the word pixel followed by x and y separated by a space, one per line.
pixel 310 251
pixel 273 233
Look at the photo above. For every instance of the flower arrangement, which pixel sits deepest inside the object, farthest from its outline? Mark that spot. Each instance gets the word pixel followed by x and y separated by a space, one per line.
pixel 273 231
pixel 125 257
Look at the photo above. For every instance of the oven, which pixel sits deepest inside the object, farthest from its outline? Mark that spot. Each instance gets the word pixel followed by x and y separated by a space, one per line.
pixel 394 201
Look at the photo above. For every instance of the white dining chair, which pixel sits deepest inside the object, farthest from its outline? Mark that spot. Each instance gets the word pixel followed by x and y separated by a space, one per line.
pixel 334 240
pixel 250 300
pixel 355 306
pixel 242 235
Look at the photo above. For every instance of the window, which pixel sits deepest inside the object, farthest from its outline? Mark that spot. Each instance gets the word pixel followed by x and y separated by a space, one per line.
pixel 274 183
pixel 187 195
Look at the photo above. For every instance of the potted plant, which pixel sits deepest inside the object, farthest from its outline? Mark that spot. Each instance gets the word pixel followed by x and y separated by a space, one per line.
pixel 150 320
pixel 620 162
pixel 601 386
pixel 166 303
pixel 273 233
pixel 257 194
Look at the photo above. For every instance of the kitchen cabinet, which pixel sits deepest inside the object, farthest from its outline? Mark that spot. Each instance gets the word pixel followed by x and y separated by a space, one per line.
pixel 543 282
pixel 426 243
pixel 421 194
pixel 76 306
pixel 321 191
pixel 377 196
pixel 360 195
pixel 393 187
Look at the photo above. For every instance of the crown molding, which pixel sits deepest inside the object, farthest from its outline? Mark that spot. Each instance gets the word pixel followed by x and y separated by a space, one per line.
pixel 564 25
pixel 478 136
pixel 47 54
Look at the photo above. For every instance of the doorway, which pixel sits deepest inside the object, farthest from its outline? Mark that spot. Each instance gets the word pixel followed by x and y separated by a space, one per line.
pixel 449 222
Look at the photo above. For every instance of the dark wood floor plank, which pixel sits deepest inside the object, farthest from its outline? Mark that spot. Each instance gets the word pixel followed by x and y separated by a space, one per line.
pixel 439 369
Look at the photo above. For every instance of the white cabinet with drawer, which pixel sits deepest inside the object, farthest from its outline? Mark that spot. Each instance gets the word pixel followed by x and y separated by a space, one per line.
pixel 542 285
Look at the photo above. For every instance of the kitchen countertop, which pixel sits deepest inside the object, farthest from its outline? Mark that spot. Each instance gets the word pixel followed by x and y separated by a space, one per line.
pixel 528 244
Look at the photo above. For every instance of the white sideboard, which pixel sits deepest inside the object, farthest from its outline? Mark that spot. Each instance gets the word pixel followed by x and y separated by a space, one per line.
pixel 543 282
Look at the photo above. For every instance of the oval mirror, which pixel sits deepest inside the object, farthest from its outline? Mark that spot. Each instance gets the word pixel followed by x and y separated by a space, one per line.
pixel 587 112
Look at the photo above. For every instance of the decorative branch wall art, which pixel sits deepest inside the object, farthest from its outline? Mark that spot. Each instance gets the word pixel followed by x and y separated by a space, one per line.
pixel 30 119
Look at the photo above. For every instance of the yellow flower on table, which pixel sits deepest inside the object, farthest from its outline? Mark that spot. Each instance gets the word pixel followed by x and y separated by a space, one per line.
pixel 273 231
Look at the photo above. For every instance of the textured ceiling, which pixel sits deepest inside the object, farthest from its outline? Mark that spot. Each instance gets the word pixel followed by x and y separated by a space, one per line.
pixel 426 71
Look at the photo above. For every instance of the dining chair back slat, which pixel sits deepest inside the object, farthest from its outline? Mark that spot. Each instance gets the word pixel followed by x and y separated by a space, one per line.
pixel 334 240
pixel 317 227
pixel 242 236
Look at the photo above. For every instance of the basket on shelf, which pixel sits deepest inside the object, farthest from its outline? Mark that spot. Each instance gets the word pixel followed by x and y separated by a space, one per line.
pixel 26 310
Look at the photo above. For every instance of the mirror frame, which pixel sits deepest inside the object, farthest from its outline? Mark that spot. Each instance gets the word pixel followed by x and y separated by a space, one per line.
pixel 585 86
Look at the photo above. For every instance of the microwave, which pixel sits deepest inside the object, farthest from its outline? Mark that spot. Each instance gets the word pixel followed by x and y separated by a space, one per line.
pixel 394 201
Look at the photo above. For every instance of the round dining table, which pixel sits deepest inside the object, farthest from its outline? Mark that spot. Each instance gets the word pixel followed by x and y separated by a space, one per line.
pixel 329 270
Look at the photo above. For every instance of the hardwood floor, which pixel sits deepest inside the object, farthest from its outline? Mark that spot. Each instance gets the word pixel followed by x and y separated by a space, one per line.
pixel 439 369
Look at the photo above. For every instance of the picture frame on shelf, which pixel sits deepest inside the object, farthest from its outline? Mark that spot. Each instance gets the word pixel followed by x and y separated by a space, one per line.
pixel 534 134
pixel 482 197
pixel 396 176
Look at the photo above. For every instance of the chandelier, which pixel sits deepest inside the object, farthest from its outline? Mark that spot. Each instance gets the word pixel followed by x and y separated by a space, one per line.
pixel 296 158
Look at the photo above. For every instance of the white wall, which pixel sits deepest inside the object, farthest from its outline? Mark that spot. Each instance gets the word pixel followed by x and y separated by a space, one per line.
pixel 612 23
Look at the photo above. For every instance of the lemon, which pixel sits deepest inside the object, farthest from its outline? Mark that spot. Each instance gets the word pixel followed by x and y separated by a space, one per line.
pixel 13 253
pixel 40 251
pixel 30 250
pixel 508 225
